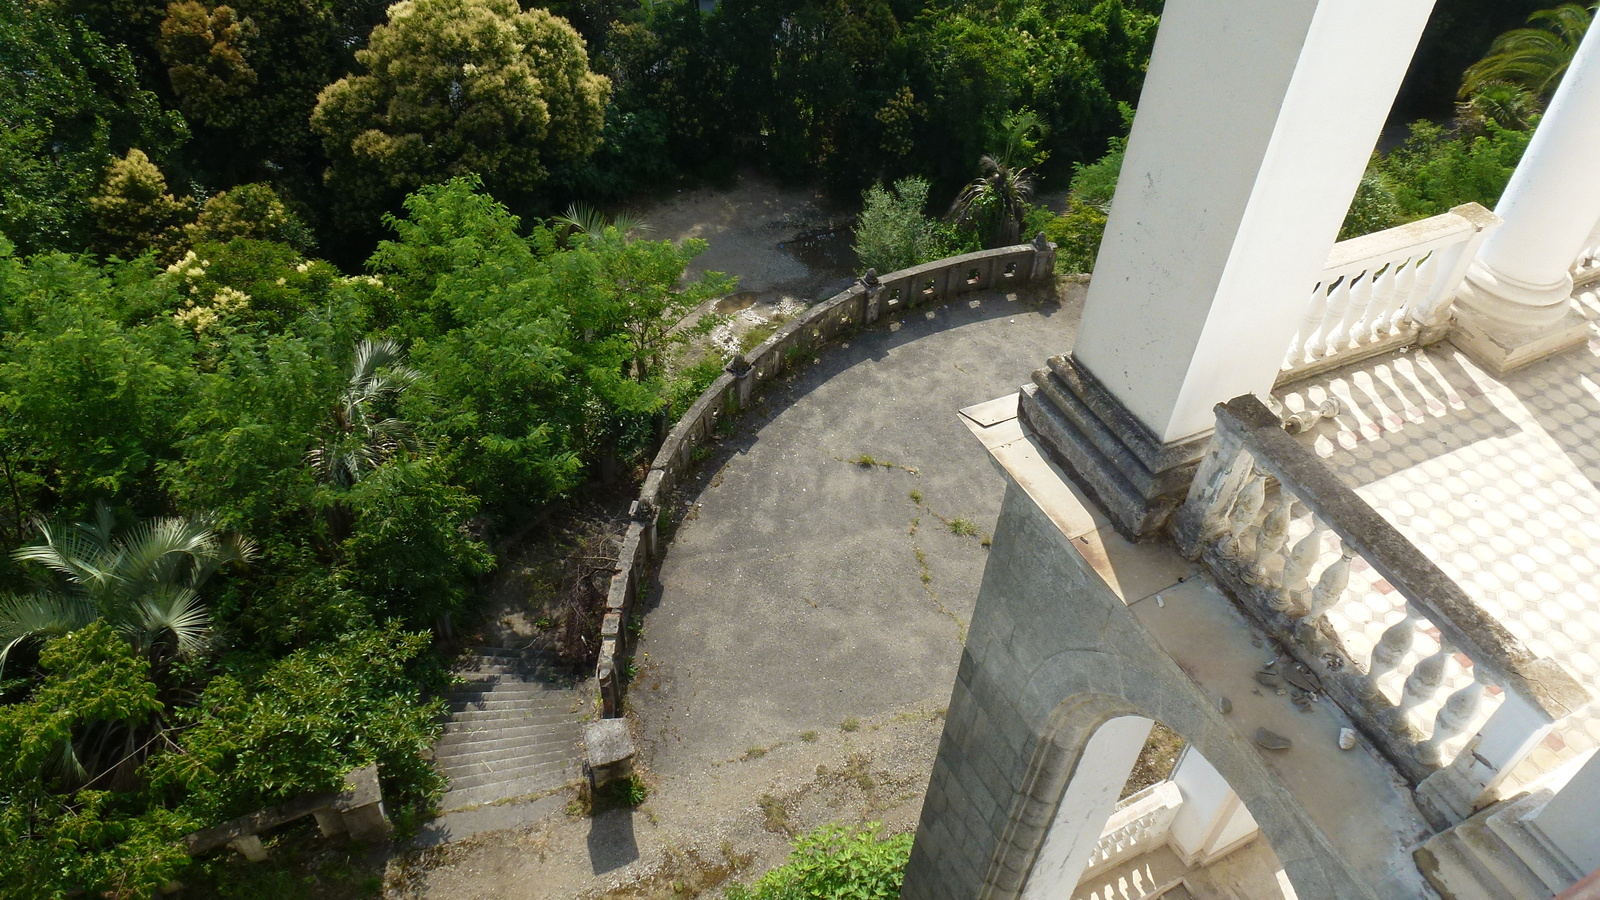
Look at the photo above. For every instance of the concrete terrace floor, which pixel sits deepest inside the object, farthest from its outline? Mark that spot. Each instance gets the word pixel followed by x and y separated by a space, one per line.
pixel 1498 482
pixel 803 588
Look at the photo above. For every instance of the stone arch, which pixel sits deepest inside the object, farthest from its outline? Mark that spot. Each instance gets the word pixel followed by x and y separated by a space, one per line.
pixel 1052 655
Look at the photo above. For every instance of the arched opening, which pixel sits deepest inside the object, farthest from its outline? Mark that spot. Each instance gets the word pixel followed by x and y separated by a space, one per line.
pixel 1144 815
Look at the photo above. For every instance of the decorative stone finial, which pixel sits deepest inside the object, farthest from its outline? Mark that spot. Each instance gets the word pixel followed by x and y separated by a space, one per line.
pixel 870 279
pixel 1040 242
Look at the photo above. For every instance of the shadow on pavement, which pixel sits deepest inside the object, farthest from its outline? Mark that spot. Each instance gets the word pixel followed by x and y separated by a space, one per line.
pixel 611 841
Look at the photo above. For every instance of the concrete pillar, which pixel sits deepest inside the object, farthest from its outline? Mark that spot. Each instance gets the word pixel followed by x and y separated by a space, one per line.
pixel 1213 821
pixel 1255 124
pixel 1514 307
pixel 1087 803
pixel 1566 824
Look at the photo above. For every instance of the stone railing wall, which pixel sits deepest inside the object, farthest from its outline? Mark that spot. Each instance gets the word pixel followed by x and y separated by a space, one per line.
pixel 1138 825
pixel 798 340
pixel 357 811
pixel 1386 290
pixel 1254 487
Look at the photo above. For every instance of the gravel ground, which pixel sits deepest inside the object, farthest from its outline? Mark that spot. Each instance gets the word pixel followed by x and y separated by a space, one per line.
pixel 800 647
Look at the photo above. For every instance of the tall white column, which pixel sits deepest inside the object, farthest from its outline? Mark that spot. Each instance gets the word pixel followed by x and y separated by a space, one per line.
pixel 1514 305
pixel 1255 124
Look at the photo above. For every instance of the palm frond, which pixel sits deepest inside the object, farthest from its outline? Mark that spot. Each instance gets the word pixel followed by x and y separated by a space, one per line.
pixel 30 617
pixel 172 617
pixel 1534 57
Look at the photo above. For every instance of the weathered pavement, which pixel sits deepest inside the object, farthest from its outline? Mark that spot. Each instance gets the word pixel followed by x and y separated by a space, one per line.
pixel 803 594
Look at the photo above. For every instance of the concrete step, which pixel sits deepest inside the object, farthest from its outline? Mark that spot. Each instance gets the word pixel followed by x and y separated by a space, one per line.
pixel 1508 824
pixel 507 790
pixel 1470 862
pixel 466 754
pixel 495 701
pixel 465 736
pixel 480 774
pixel 510 715
pixel 503 688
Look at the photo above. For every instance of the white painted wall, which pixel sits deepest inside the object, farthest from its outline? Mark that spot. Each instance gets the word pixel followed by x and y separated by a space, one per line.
pixel 1107 761
pixel 1571 820
pixel 1255 124
pixel 1212 820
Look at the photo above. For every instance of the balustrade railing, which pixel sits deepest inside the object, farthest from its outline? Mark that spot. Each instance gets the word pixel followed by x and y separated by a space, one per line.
pixel 1138 825
pixel 1586 267
pixel 1386 290
pixel 1449 696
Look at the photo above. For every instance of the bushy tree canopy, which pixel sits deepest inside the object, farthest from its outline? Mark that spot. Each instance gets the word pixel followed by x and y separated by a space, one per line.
pixel 462 86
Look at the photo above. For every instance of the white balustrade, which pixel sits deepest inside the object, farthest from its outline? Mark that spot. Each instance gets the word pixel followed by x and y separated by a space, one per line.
pixel 1418 704
pixel 1380 291
pixel 1138 825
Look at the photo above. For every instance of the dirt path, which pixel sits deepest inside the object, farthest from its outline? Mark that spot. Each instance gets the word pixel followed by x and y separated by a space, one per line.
pixel 799 652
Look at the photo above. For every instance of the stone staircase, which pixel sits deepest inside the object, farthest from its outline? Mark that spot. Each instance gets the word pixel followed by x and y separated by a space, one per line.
pixel 1495 855
pixel 513 729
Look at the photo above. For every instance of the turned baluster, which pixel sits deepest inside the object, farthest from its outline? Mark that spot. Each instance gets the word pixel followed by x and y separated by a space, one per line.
pixel 1245 508
pixel 1332 337
pixel 1381 318
pixel 1215 524
pixel 1405 293
pixel 1427 274
pixel 1330 586
pixel 1353 327
pixel 1273 535
pixel 1316 308
pixel 1423 682
pixel 1454 717
pixel 1297 570
pixel 1392 647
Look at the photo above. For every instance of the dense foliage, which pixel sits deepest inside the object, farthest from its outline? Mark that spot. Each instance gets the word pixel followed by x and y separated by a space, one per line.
pixel 341 451
pixel 836 863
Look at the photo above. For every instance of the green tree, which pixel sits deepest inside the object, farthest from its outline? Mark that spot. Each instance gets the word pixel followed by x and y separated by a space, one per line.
pixel 61 832
pixel 249 211
pixel 203 48
pixel 133 211
pixel 1535 57
pixel 893 232
pixel 996 202
pixel 70 101
pixel 363 437
pixel 461 86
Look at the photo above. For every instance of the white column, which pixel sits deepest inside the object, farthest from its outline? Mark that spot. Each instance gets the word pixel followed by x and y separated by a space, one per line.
pixel 1567 823
pixel 1513 307
pixel 1108 760
pixel 1213 821
pixel 1255 124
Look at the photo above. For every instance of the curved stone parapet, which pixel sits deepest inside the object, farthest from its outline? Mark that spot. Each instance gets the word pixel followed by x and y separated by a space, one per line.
pixel 872 298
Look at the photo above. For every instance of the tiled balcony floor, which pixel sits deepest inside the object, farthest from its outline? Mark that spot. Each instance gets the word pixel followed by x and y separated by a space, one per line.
pixel 1498 482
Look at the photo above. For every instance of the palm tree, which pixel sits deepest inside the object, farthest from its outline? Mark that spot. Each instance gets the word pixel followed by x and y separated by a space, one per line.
pixel 361 440
pixel 144 580
pixel 998 198
pixel 1534 57
pixel 1507 105
pixel 582 218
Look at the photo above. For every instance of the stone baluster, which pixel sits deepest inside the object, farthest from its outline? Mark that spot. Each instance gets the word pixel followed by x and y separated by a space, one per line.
pixel 1245 508
pixel 1427 273
pixel 1423 682
pixel 1295 594
pixel 1316 309
pixel 1214 527
pixel 1453 720
pixel 1270 539
pixel 1352 328
pixel 1384 306
pixel 1392 647
pixel 1329 339
pixel 1330 586
pixel 1405 292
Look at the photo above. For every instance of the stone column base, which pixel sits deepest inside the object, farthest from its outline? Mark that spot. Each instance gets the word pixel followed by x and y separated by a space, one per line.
pixel 1502 351
pixel 1136 479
